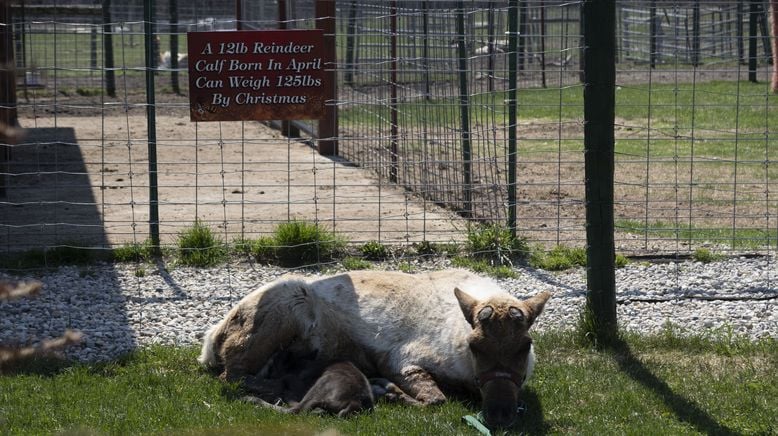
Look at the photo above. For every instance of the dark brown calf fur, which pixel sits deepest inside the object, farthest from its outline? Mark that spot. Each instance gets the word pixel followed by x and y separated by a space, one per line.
pixel 341 390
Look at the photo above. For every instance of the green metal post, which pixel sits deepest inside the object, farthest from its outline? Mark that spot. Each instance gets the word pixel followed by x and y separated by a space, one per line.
pixel 513 36
pixel 753 9
pixel 110 75
pixel 393 86
pixel 464 112
pixel 599 30
pixel 174 83
pixel 151 116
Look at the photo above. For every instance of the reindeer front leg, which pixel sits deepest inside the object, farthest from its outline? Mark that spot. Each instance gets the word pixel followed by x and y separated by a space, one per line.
pixel 418 383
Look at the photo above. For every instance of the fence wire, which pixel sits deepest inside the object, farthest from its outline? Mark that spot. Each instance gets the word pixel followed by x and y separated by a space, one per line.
pixel 423 127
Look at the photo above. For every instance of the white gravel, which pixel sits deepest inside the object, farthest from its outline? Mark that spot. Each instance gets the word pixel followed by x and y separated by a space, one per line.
pixel 118 309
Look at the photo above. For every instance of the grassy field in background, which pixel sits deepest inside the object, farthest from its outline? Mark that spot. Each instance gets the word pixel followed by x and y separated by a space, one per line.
pixel 717 115
pixel 659 385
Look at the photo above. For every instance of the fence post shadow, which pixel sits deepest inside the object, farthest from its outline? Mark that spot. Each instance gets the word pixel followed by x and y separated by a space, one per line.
pixel 532 421
pixel 684 409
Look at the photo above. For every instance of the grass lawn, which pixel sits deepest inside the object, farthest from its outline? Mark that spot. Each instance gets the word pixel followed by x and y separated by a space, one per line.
pixel 658 385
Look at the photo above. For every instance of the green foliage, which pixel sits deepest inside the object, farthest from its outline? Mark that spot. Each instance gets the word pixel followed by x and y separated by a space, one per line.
pixel 484 267
pixel 427 248
pixel 737 238
pixel 68 253
pixel 405 267
pixel 295 243
pixel 88 92
pixel 706 256
pixel 301 243
pixel 263 249
pixel 491 241
pixel 558 259
pixel 354 263
pixel 562 257
pixel 374 250
pixel 135 252
pixel 197 246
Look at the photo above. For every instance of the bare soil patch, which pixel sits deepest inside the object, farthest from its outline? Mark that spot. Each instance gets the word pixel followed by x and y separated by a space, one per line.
pixel 82 177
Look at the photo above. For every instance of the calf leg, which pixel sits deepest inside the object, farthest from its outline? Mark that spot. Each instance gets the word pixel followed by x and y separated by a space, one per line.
pixel 383 388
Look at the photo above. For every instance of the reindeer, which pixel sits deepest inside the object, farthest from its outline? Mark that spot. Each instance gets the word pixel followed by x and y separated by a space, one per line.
pixel 426 333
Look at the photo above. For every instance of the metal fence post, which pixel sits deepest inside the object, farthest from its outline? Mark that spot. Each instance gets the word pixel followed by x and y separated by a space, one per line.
pixel 110 76
pixel 696 43
pixel 653 30
pixel 464 113
pixel 151 116
pixel 174 83
pixel 351 32
pixel 513 36
pixel 7 92
pixel 753 9
pixel 599 31
pixel 393 86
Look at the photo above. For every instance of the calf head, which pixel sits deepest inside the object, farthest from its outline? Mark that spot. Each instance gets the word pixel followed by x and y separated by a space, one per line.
pixel 501 346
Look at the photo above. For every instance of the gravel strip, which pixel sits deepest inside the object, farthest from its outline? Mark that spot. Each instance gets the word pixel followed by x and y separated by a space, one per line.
pixel 119 309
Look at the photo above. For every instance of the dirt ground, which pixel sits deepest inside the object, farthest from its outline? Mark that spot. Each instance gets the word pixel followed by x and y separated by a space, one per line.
pixel 82 177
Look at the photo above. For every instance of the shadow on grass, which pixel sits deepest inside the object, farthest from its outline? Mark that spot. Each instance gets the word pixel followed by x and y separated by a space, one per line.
pixel 532 422
pixel 48 366
pixel 684 409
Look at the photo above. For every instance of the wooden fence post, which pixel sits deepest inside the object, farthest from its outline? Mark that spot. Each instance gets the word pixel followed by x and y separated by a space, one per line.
pixel 328 126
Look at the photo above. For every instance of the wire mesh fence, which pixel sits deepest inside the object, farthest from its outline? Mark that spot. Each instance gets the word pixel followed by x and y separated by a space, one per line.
pixel 425 122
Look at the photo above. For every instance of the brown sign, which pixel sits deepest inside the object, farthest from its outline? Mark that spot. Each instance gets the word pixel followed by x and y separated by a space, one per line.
pixel 256 75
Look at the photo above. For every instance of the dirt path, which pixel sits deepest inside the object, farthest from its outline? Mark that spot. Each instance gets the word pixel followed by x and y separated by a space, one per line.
pixel 85 180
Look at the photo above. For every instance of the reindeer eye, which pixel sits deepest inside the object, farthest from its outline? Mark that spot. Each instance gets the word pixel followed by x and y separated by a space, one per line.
pixel 516 313
pixel 485 313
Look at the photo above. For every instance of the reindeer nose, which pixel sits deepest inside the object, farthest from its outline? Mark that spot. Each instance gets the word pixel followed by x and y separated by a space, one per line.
pixel 500 416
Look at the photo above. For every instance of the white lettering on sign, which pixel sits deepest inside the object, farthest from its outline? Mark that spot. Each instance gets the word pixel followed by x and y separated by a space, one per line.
pixel 256 74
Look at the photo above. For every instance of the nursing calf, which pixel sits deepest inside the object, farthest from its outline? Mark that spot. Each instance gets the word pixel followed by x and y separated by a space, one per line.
pixel 428 333
pixel 341 389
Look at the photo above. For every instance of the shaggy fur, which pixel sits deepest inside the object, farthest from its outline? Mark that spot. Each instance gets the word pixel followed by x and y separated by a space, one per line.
pixel 449 329
pixel 341 389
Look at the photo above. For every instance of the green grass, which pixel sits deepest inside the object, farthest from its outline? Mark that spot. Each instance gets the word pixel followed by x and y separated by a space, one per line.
pixel 706 256
pixel 136 252
pixel 374 250
pixel 484 267
pixel 494 242
pixel 67 253
pixel 296 243
pixel 197 246
pixel 302 243
pixel 558 259
pixel 663 384
pixel 563 257
pixel 720 114
pixel 354 263
pixel 737 238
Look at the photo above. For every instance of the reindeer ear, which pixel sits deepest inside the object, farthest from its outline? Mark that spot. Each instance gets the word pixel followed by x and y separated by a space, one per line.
pixel 535 304
pixel 467 304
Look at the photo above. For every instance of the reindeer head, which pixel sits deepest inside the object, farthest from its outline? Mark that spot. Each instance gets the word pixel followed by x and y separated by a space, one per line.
pixel 501 348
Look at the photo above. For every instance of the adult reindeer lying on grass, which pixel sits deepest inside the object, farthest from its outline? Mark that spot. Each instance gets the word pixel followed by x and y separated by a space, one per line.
pixel 430 333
